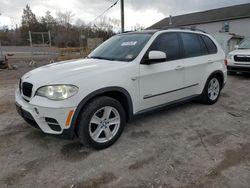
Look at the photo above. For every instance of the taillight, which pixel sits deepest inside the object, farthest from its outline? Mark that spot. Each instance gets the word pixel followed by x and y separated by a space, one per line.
pixel 225 61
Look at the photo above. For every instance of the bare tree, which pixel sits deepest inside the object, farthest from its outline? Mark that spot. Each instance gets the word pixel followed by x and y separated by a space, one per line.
pixel 80 23
pixel 65 18
pixel 63 31
pixel 138 27
pixel 107 24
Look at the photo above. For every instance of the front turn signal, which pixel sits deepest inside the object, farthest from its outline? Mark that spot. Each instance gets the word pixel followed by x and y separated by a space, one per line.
pixel 68 120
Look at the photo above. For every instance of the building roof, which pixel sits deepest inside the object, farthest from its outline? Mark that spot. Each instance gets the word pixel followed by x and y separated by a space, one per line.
pixel 214 15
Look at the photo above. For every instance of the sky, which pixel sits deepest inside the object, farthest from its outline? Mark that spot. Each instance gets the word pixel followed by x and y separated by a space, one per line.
pixel 142 12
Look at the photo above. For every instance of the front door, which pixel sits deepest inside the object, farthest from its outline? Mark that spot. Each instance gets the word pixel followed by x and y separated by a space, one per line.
pixel 161 83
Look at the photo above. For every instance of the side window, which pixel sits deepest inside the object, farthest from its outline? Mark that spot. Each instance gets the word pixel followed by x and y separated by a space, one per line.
pixel 212 49
pixel 168 43
pixel 204 49
pixel 192 45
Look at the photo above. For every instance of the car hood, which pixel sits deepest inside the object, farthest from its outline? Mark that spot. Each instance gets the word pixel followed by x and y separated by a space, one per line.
pixel 65 69
pixel 241 52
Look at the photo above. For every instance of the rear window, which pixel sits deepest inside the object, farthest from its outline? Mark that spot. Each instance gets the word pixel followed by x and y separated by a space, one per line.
pixel 193 46
pixel 211 47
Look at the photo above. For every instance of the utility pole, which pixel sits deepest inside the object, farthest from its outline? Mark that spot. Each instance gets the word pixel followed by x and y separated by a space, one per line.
pixel 122 16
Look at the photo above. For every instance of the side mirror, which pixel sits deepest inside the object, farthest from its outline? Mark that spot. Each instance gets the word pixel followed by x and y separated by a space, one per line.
pixel 236 47
pixel 156 57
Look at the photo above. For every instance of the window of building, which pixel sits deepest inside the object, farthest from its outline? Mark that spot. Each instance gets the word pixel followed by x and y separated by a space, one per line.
pixel 226 26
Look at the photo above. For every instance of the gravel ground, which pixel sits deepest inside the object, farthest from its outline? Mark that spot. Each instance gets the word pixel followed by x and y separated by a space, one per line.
pixel 192 145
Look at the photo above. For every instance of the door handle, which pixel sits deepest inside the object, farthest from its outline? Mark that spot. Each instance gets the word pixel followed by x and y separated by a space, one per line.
pixel 179 68
pixel 134 78
pixel 210 61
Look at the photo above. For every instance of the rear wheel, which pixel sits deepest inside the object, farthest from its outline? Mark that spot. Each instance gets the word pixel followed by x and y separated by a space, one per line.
pixel 212 90
pixel 101 122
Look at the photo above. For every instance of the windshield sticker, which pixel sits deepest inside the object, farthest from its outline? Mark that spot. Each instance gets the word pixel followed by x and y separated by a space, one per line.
pixel 130 43
pixel 130 56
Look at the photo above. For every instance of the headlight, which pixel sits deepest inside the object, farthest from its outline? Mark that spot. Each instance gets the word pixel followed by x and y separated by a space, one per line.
pixel 230 56
pixel 57 92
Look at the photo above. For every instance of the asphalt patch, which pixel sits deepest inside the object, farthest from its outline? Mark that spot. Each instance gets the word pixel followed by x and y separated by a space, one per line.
pixel 74 152
pixel 101 181
pixel 141 163
pixel 138 134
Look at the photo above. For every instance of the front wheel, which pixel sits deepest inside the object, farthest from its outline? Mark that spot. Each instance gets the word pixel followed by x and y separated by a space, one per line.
pixel 101 122
pixel 212 90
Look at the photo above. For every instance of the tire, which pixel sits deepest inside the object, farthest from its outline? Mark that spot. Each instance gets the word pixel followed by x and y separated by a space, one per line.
pixel 101 122
pixel 211 93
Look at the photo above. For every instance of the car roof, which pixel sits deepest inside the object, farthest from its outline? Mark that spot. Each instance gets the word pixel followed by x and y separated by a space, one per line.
pixel 141 32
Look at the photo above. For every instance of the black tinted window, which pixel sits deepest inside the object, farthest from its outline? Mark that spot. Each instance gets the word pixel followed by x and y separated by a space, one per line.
pixel 168 43
pixel 193 45
pixel 204 49
pixel 212 49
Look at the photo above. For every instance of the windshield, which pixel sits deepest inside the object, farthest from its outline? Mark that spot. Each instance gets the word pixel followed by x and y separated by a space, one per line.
pixel 121 47
pixel 245 44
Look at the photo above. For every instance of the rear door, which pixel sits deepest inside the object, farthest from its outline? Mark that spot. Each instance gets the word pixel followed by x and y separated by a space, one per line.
pixel 195 59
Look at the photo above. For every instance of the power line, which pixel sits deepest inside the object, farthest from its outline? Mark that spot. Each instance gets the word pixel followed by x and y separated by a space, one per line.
pixel 115 3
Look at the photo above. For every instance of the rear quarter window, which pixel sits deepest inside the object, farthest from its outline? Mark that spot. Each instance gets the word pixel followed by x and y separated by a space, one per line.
pixel 211 47
pixel 193 46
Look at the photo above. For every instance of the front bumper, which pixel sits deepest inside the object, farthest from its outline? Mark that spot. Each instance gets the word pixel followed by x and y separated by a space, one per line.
pixel 48 120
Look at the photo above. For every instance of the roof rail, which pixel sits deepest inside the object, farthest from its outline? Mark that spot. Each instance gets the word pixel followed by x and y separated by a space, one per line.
pixel 127 32
pixel 183 28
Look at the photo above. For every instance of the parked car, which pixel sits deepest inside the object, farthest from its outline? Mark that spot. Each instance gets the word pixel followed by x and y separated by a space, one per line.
pixel 239 59
pixel 128 75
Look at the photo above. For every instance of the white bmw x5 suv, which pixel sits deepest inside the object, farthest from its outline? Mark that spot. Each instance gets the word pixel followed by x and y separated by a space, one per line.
pixel 129 74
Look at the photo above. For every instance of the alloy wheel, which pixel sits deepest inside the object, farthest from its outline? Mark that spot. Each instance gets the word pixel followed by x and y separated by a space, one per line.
pixel 104 124
pixel 213 89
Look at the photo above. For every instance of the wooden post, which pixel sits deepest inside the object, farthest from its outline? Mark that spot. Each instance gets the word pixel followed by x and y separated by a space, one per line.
pixel 43 39
pixel 30 38
pixel 122 16
pixel 49 38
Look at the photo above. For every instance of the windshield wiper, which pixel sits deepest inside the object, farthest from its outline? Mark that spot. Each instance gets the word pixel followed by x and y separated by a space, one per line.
pixel 105 58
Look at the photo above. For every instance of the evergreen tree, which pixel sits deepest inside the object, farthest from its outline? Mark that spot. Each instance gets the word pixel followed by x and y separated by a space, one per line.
pixel 29 18
pixel 29 23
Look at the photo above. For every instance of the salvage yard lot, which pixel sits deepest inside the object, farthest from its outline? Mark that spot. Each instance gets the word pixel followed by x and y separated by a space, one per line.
pixel 192 145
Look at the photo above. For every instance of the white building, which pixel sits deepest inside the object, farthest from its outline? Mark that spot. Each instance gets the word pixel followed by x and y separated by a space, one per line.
pixel 229 25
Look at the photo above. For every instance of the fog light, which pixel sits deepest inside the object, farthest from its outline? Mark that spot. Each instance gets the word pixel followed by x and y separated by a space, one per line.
pixel 36 111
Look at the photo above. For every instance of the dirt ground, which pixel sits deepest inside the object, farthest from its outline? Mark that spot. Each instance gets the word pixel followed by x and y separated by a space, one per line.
pixel 192 145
